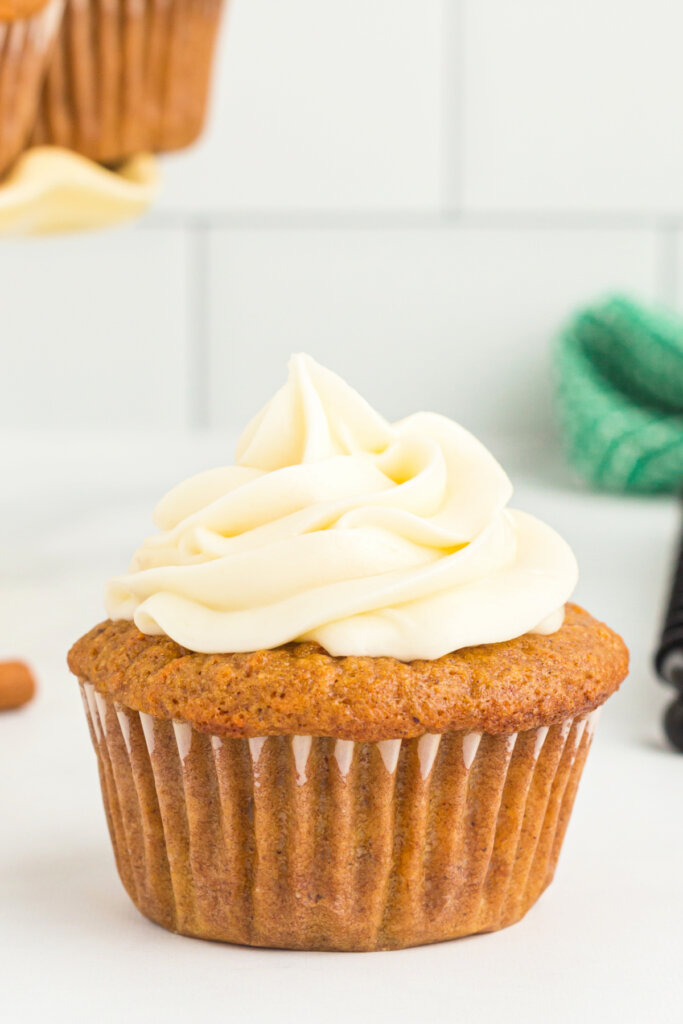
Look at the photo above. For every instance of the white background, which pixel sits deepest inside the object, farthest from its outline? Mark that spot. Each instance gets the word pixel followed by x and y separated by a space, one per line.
pixel 417 192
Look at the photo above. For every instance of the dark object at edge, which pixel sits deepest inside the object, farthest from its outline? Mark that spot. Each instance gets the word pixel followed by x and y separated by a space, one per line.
pixel 669 657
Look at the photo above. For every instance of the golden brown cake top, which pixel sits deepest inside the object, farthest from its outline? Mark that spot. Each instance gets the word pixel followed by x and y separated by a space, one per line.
pixel 300 689
pixel 15 10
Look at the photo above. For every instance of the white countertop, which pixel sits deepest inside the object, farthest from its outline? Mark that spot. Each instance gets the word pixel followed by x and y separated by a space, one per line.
pixel 603 944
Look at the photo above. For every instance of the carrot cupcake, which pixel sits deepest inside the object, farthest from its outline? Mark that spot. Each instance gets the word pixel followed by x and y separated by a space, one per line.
pixel 340 701
pixel 129 78
pixel 27 32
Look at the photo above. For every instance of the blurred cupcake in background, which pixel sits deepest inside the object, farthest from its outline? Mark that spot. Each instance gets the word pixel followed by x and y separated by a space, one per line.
pixel 129 77
pixel 28 29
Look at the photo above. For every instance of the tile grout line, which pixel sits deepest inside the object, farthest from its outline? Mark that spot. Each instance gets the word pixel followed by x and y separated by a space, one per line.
pixel 197 326
pixel 452 107
pixel 331 220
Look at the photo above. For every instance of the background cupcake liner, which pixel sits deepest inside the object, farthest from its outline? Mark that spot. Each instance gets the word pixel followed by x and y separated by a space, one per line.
pixel 300 842
pixel 129 76
pixel 25 46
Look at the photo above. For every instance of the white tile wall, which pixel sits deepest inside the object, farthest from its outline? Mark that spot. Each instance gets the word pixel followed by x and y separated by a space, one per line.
pixel 456 317
pixel 573 106
pixel 95 331
pixel 417 191
pixel 321 105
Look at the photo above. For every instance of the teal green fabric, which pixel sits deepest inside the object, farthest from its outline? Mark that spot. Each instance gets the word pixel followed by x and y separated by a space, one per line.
pixel 619 390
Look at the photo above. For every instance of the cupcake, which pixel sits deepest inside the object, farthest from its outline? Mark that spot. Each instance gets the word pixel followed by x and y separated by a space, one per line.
pixel 27 32
pixel 341 701
pixel 129 78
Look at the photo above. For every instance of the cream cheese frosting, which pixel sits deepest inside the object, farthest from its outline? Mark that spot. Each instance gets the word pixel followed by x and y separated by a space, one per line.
pixel 52 191
pixel 338 527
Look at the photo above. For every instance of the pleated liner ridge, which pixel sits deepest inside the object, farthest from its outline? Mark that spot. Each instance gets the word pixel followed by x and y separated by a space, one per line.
pixel 25 46
pixel 306 843
pixel 129 76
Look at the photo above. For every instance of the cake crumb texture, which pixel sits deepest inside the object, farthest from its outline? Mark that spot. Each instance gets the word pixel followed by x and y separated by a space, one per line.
pixel 299 689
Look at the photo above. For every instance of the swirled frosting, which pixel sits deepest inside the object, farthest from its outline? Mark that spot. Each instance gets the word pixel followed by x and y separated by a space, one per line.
pixel 336 526
pixel 51 190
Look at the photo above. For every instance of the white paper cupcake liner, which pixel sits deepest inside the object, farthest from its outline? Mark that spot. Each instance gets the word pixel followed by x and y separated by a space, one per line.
pixel 129 76
pixel 313 843
pixel 25 46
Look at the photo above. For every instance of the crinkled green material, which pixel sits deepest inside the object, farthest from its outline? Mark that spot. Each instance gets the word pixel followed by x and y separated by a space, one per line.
pixel 619 389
